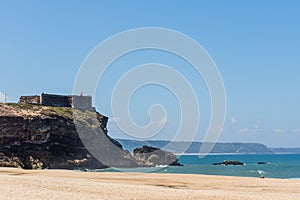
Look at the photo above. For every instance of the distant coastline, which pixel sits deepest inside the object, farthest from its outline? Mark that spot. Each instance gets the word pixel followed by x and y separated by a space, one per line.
pixel 214 154
pixel 225 154
pixel 193 148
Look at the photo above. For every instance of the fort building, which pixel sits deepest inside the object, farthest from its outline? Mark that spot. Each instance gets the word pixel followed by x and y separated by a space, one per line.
pixel 74 101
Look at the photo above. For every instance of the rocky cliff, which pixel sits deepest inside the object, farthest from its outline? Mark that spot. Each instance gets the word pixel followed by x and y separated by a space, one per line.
pixel 34 136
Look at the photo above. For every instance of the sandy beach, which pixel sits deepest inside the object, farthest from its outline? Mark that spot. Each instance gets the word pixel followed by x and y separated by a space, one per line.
pixel 64 184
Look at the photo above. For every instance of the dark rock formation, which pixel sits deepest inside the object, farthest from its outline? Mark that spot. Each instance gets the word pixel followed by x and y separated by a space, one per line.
pixel 35 136
pixel 9 162
pixel 231 162
pixel 261 163
pixel 150 156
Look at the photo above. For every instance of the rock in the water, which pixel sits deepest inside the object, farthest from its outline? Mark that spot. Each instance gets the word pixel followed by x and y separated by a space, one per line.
pixel 150 156
pixel 261 163
pixel 231 162
pixel 35 136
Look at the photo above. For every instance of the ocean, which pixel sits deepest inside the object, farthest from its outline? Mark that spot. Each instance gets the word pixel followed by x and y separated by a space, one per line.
pixel 285 166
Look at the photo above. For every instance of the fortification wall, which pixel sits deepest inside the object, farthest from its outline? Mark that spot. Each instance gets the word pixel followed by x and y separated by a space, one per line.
pixel 30 99
pixel 81 102
pixel 84 102
pixel 55 100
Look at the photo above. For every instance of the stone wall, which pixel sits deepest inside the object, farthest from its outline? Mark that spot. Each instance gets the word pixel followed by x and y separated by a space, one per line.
pixel 55 100
pixel 30 99
pixel 82 102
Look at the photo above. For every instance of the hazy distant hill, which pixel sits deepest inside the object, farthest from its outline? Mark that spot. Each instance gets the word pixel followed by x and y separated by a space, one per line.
pixel 286 150
pixel 194 147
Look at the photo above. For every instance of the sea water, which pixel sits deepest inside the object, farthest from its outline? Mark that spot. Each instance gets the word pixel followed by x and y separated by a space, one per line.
pixel 286 166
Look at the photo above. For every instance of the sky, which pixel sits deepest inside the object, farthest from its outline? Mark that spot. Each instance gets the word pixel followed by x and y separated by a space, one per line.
pixel 255 45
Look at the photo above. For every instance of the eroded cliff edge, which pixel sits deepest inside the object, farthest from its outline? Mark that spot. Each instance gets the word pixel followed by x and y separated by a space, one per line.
pixel 36 136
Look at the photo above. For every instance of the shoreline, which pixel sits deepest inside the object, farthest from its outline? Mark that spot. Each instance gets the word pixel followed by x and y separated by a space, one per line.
pixel 53 184
pixel 225 154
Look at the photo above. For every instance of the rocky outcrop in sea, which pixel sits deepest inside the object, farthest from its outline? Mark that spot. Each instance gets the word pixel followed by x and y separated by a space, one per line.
pixel 230 162
pixel 150 157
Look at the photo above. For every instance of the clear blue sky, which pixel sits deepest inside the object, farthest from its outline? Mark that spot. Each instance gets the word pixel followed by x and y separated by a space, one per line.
pixel 255 44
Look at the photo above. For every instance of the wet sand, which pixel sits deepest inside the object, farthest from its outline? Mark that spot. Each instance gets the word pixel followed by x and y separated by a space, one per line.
pixel 65 184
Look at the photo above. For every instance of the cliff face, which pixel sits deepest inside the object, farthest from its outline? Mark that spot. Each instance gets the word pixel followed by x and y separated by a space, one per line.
pixel 33 136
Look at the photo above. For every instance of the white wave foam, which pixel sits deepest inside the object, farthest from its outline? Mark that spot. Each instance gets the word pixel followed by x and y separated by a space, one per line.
pixel 297 178
pixel 261 172
pixel 161 166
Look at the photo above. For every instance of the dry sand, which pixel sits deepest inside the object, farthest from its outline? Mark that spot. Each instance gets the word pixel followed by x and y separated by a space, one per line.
pixel 64 184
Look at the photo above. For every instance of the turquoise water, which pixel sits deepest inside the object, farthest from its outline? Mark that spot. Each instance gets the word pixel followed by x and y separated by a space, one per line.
pixel 285 166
